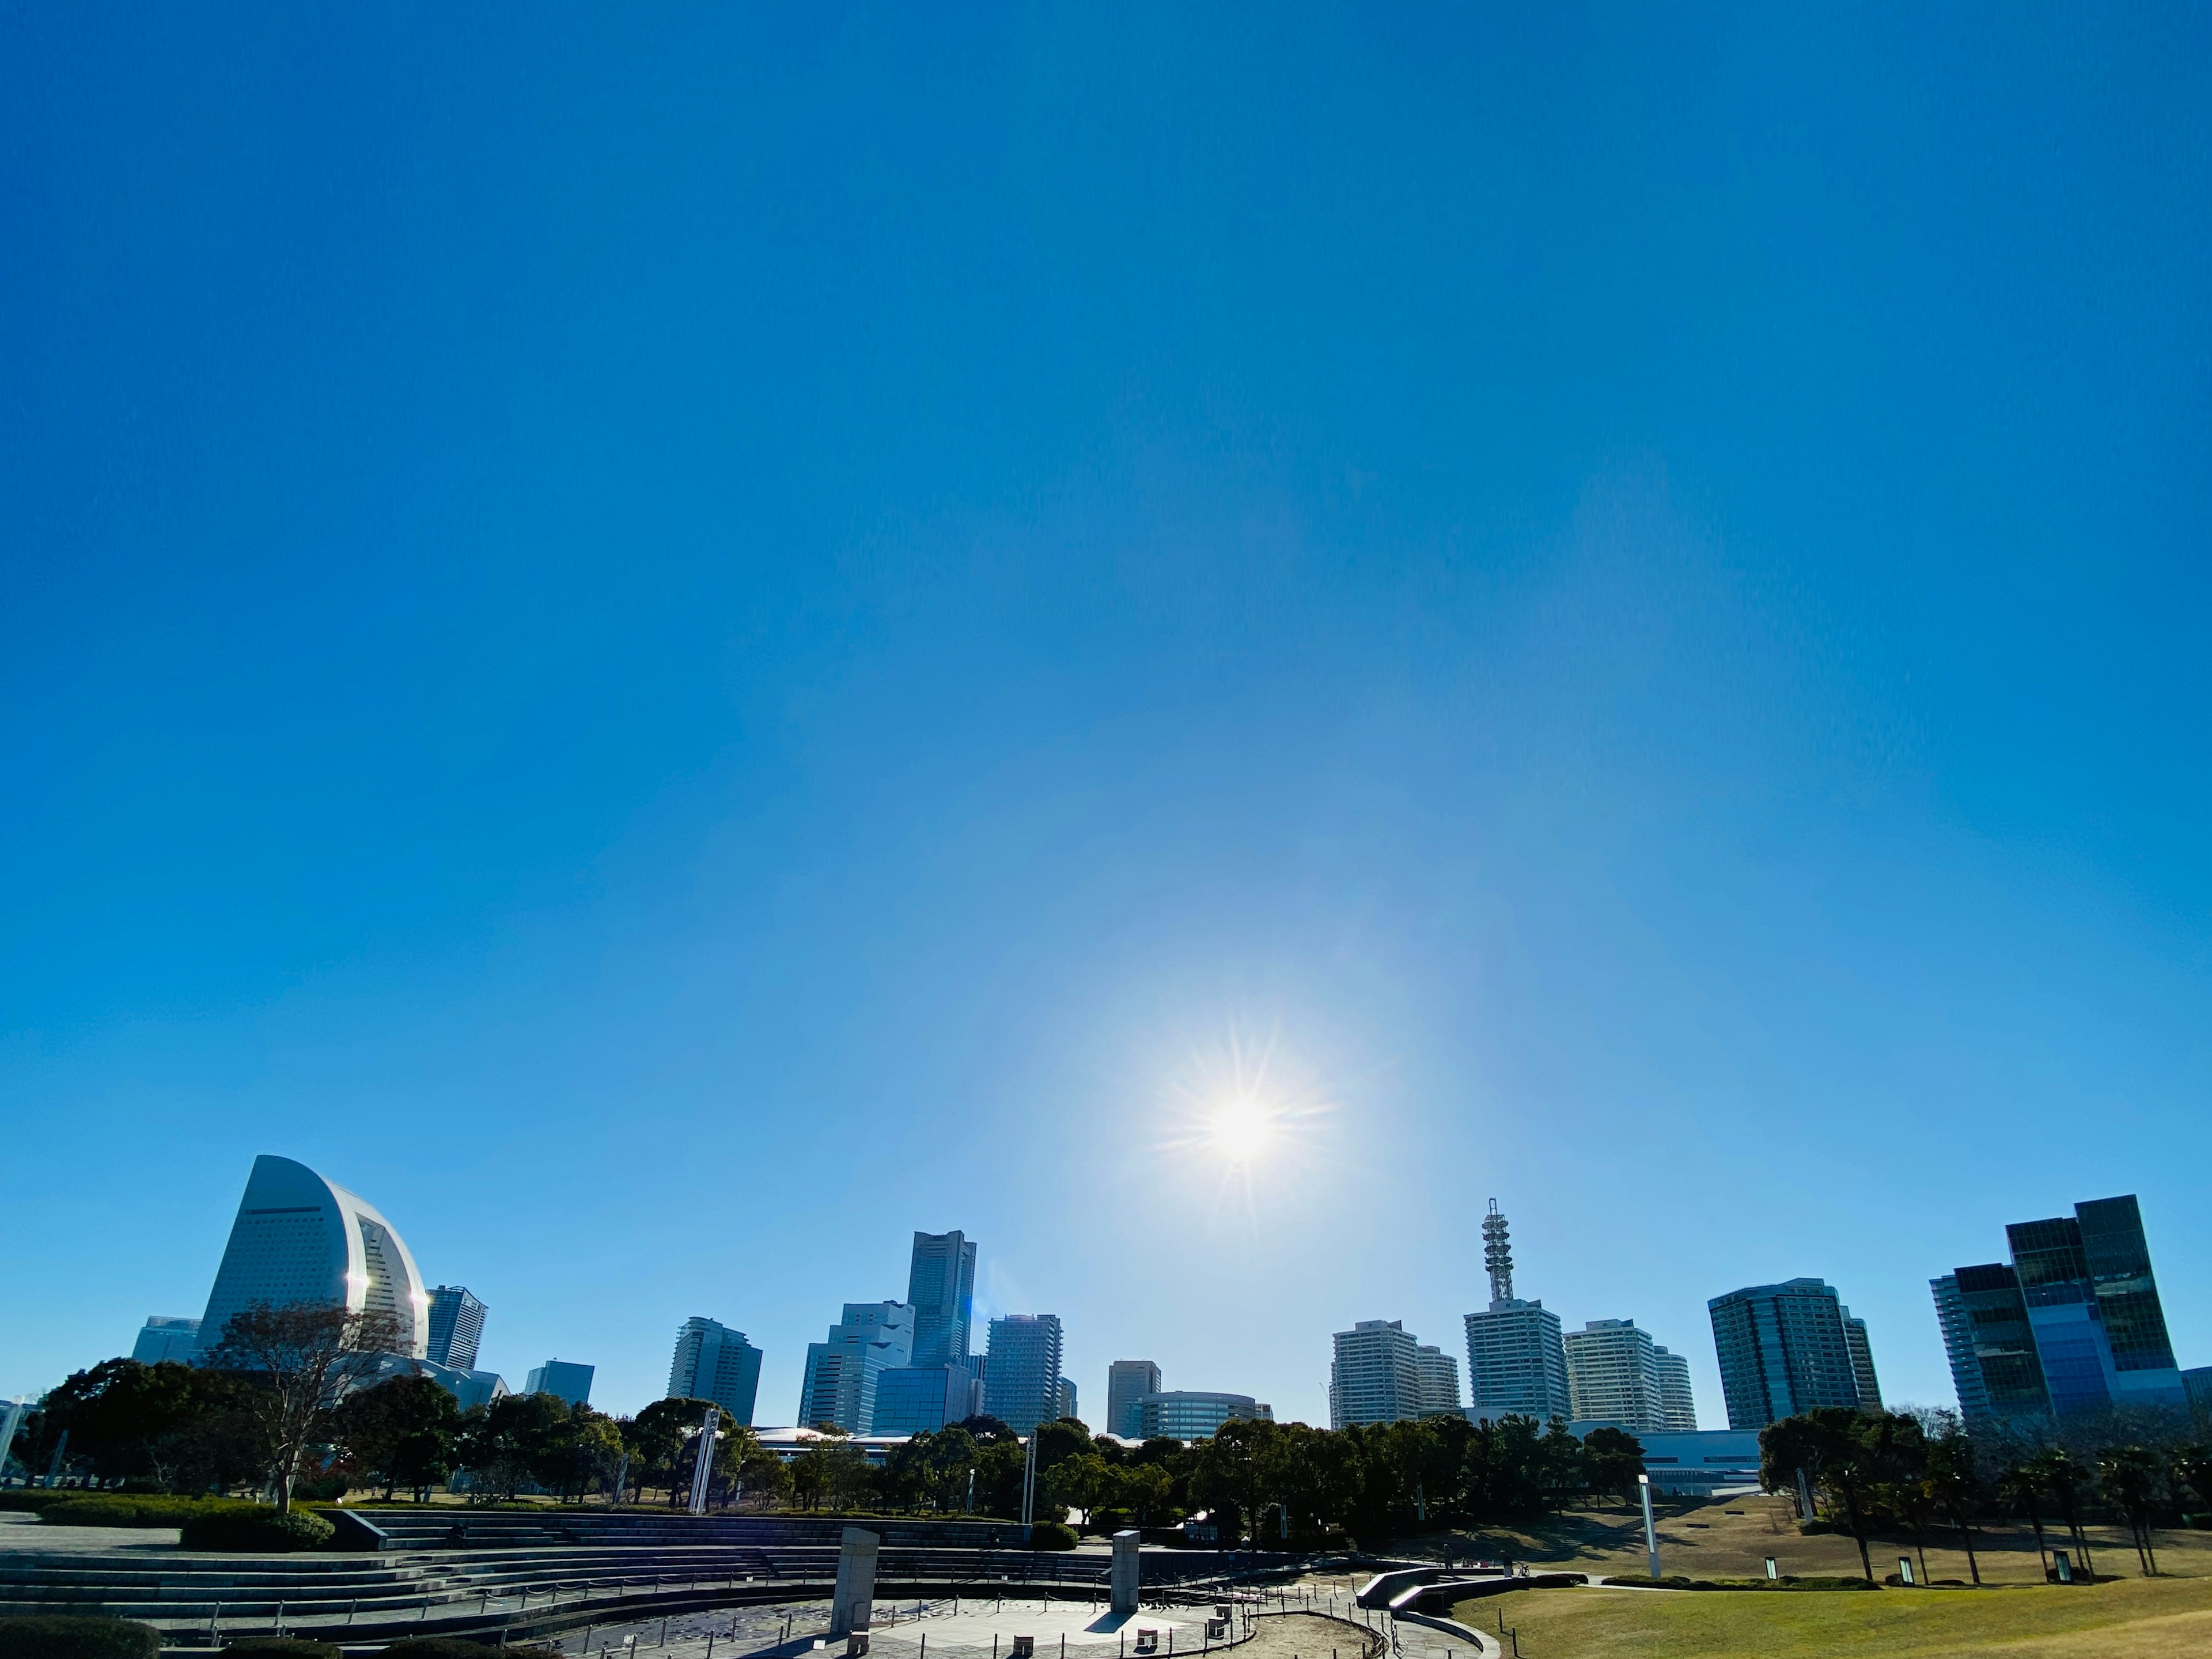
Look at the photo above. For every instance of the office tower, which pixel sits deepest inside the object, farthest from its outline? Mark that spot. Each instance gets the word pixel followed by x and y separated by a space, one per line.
pixel 1192 1415
pixel 1678 1407
pixel 1128 1381
pixel 940 1288
pixel 2197 1382
pixel 713 1361
pixel 1067 1399
pixel 1862 1377
pixel 1375 1376
pixel 1612 1376
pixel 1517 1360
pixel 300 1239
pixel 166 1338
pixel 1439 1375
pixel 2073 1324
pixel 1021 1383
pixel 843 1370
pixel 1783 1351
pixel 456 1328
pixel 923 1399
pixel 562 1378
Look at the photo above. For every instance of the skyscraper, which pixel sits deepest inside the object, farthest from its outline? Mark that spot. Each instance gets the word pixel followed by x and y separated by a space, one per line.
pixel 1128 1381
pixel 2072 1324
pixel 1066 1400
pixel 1193 1415
pixel 1375 1376
pixel 1783 1351
pixel 457 1321
pixel 1862 1377
pixel 1021 1385
pixel 923 1399
pixel 713 1361
pixel 562 1378
pixel 298 1238
pixel 1439 1374
pixel 1516 1362
pixel 163 1337
pixel 941 1291
pixel 843 1370
pixel 1612 1376
pixel 1678 1406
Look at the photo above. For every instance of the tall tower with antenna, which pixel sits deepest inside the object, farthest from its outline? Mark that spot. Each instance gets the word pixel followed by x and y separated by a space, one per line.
pixel 1498 1257
pixel 1517 1358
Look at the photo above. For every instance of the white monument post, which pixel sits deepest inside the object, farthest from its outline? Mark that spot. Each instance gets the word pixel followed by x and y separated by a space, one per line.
pixel 1651 1533
pixel 856 1583
pixel 703 1470
pixel 1125 1572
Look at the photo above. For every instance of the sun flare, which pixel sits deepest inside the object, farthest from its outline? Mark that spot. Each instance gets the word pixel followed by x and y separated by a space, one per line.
pixel 1240 1128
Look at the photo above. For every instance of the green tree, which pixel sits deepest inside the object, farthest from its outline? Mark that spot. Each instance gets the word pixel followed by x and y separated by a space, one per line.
pixel 655 1440
pixel 403 1432
pixel 2068 1482
pixel 2021 1485
pixel 2133 1476
pixel 1855 1457
pixel 1612 1459
pixel 1085 1482
pixel 2193 1464
pixel 303 1360
pixel 1954 1487
pixel 518 1439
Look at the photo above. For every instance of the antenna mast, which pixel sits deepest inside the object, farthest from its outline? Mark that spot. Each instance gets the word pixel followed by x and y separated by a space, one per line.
pixel 1496 1255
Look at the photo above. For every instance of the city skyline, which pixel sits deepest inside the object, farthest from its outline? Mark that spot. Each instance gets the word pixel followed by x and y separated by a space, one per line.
pixel 1151 635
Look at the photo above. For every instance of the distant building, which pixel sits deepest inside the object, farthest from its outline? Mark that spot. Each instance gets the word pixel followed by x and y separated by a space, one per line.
pixel 457 1321
pixel 1678 1407
pixel 163 1337
pixel 2073 1324
pixel 1126 1382
pixel 1067 1399
pixel 1701 1464
pixel 1612 1375
pixel 1517 1358
pixel 1783 1351
pixel 843 1370
pixel 299 1237
pixel 469 1389
pixel 2197 1381
pixel 563 1379
pixel 1191 1415
pixel 923 1399
pixel 940 1288
pixel 713 1361
pixel 1021 1383
pixel 1375 1376
pixel 1439 1374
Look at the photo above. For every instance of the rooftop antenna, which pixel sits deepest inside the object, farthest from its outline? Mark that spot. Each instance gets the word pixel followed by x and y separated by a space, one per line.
pixel 1496 1256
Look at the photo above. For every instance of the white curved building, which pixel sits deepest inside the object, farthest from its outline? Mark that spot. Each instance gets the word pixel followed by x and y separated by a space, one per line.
pixel 301 1237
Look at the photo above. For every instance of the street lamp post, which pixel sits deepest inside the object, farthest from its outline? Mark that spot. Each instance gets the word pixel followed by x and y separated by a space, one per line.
pixel 1651 1533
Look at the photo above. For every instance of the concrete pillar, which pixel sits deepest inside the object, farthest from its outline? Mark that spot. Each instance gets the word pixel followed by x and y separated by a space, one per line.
pixel 1125 1572
pixel 856 1582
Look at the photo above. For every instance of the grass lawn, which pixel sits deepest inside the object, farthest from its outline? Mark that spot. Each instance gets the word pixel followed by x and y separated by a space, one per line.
pixel 2132 1619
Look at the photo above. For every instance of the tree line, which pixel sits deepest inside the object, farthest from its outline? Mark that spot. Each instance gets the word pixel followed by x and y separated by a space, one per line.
pixel 1914 1473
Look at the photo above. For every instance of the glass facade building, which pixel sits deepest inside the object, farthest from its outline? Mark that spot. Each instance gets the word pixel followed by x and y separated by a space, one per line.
pixel 457 1322
pixel 1128 1381
pixel 1021 1383
pixel 713 1361
pixel 564 1379
pixel 1783 1349
pixel 2072 1324
pixel 166 1337
pixel 1196 1415
pixel 843 1370
pixel 940 1288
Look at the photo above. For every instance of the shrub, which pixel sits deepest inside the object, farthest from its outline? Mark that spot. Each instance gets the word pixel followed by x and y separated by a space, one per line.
pixel 131 1510
pixel 257 1527
pixel 282 1647
pixel 77 1638
pixel 1051 1535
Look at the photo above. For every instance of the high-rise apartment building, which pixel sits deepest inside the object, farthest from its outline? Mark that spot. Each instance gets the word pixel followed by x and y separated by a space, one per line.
pixel 1439 1374
pixel 1678 1406
pixel 1862 1353
pixel 1065 1401
pixel 457 1321
pixel 1128 1381
pixel 1192 1414
pixel 1783 1349
pixel 1021 1383
pixel 843 1370
pixel 564 1379
pixel 2073 1324
pixel 298 1238
pixel 1375 1375
pixel 1517 1361
pixel 941 1291
pixel 713 1361
pixel 163 1337
pixel 1612 1376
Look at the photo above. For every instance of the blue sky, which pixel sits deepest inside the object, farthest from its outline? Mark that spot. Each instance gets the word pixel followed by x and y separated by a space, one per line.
pixel 676 643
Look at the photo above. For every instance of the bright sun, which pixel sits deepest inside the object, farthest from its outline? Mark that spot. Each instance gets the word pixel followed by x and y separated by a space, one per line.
pixel 1240 1129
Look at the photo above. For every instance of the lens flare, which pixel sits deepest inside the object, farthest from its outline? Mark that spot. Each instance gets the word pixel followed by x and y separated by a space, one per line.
pixel 1240 1128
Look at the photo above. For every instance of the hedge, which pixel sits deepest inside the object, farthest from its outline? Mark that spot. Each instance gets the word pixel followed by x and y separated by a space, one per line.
pixel 257 1527
pixel 1051 1535
pixel 1676 1581
pixel 135 1509
pixel 49 1637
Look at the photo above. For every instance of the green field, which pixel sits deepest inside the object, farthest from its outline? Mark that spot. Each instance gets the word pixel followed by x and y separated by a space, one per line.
pixel 2130 1619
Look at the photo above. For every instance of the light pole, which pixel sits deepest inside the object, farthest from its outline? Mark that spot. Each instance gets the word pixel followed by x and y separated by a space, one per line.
pixel 1651 1533
pixel 703 1467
